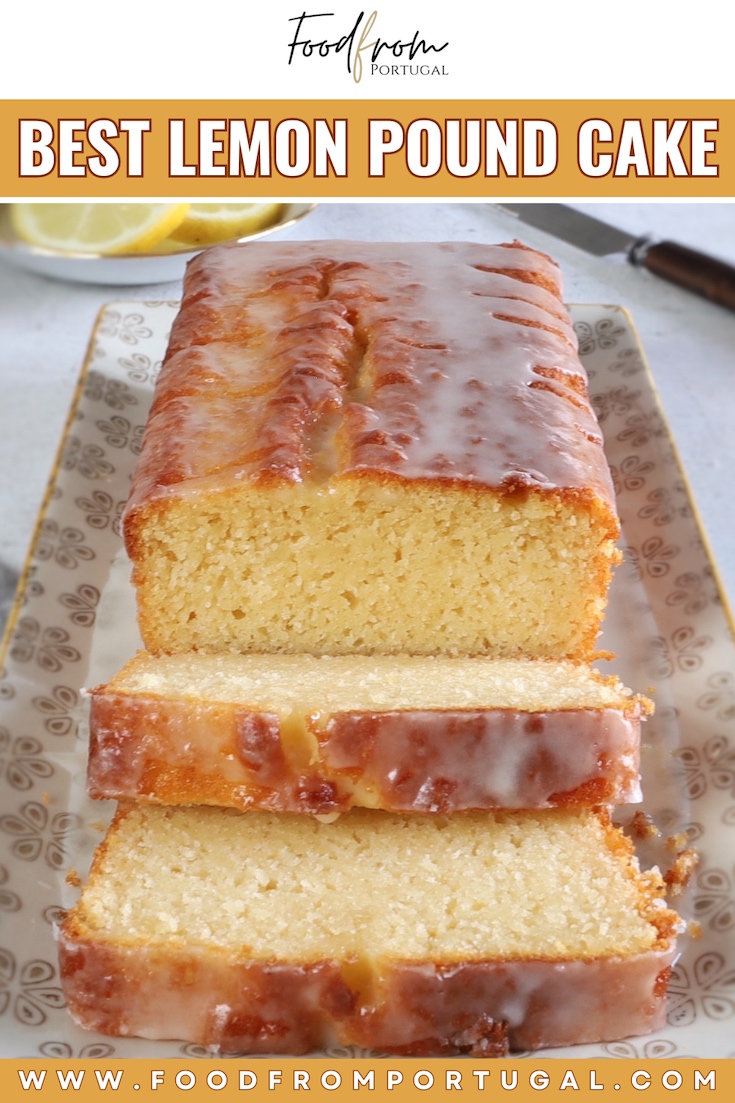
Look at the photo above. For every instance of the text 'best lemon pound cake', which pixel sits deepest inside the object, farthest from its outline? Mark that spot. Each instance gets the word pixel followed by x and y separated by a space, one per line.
pixel 421 934
pixel 372 448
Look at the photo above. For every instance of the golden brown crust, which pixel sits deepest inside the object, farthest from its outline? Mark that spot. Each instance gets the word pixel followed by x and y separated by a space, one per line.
pixel 481 1007
pixel 465 376
pixel 171 751
pixel 678 876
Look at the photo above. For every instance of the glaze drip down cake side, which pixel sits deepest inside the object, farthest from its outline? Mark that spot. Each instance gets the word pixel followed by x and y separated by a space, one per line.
pixel 363 763
pixel 296 733
pixel 370 448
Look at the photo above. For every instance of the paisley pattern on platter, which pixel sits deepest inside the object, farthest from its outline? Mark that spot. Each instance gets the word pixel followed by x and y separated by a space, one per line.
pixel 665 622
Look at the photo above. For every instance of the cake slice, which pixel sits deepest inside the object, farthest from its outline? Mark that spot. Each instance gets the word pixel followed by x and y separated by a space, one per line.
pixel 360 447
pixel 320 735
pixel 254 932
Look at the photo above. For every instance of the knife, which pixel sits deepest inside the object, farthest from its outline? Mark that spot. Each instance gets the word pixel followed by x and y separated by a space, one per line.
pixel 694 271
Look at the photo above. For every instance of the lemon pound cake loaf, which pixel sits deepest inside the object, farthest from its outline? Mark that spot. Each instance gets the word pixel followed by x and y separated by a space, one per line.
pixel 303 734
pixel 426 934
pixel 372 448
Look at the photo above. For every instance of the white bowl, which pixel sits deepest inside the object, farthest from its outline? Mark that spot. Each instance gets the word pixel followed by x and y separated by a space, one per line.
pixel 127 268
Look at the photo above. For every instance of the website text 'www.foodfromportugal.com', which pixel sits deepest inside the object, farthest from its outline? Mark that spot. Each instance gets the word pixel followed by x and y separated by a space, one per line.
pixel 387 1078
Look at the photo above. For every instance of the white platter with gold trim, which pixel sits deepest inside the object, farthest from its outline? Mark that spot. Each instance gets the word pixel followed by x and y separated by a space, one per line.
pixel 73 625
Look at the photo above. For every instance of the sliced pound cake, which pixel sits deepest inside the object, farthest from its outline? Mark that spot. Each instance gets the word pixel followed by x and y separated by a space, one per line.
pixel 361 447
pixel 254 932
pixel 419 734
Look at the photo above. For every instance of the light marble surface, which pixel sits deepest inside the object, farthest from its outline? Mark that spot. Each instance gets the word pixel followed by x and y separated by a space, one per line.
pixel 690 345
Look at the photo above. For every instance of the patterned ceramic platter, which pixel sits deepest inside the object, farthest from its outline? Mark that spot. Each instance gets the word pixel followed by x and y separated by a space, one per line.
pixel 73 625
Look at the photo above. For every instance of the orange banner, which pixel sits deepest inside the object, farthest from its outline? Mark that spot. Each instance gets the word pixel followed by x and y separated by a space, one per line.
pixel 342 1079
pixel 463 149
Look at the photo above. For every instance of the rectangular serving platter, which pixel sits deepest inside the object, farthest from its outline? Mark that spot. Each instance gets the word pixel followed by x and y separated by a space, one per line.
pixel 73 625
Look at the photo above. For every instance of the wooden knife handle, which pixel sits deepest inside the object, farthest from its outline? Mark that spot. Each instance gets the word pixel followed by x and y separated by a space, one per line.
pixel 706 276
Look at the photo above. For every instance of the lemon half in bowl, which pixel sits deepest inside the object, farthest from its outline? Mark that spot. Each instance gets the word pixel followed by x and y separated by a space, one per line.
pixel 107 229
pixel 129 243
pixel 209 223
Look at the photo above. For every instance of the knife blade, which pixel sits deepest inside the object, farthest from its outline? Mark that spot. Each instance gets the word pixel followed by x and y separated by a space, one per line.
pixel 707 276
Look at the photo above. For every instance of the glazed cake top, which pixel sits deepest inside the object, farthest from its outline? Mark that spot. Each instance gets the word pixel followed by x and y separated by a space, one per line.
pixel 306 361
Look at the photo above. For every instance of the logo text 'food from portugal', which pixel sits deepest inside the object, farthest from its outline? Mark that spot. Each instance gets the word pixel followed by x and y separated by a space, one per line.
pixel 355 43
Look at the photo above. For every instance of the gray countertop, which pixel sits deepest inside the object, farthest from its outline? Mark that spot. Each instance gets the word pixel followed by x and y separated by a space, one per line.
pixel 690 346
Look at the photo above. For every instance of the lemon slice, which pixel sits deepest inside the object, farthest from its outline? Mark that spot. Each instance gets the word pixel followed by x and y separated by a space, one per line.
pixel 109 228
pixel 206 223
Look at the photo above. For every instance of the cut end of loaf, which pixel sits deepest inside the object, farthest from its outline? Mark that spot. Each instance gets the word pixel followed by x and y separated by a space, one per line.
pixel 552 886
pixel 372 567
